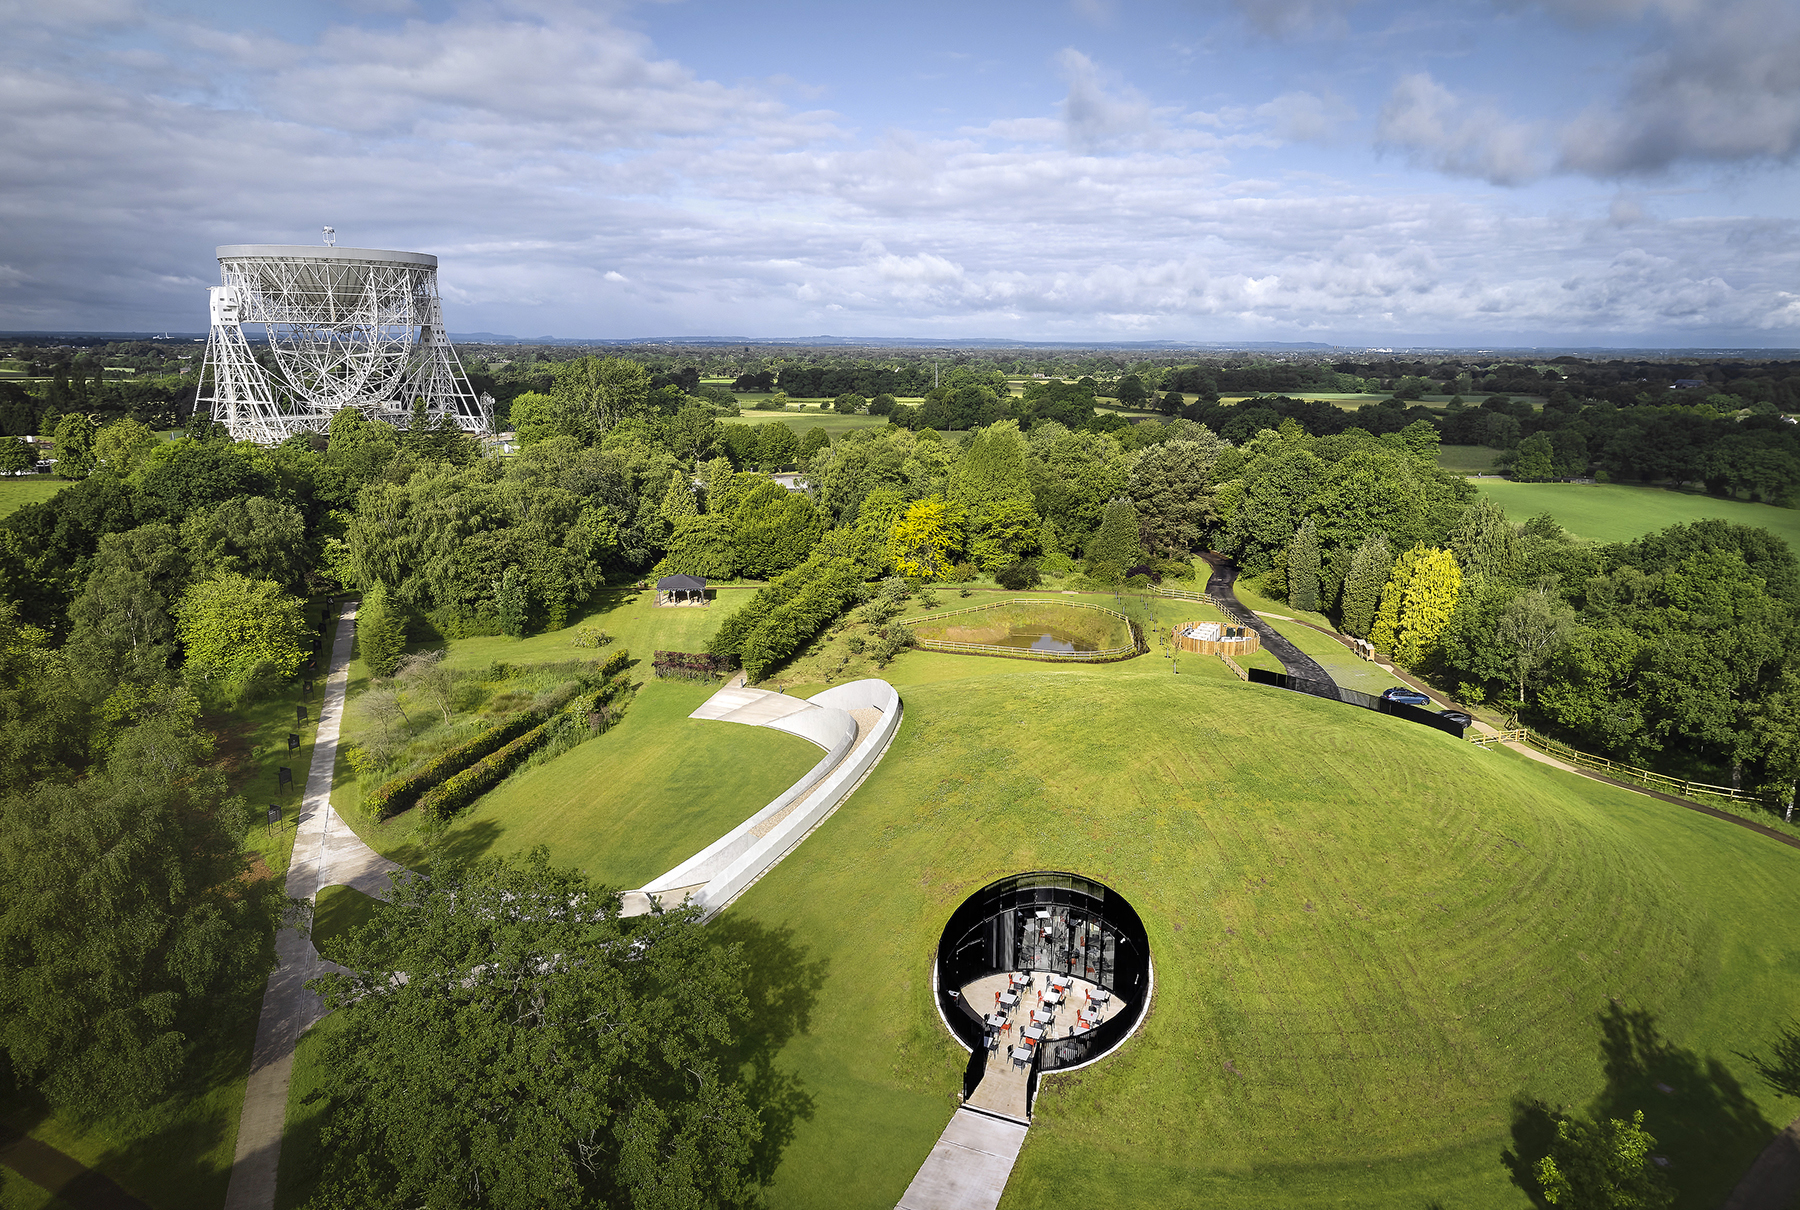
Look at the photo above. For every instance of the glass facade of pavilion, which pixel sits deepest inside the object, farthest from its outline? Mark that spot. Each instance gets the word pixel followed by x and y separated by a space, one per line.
pixel 1049 921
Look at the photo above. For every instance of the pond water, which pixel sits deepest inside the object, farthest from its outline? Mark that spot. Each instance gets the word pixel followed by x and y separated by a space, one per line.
pixel 1043 638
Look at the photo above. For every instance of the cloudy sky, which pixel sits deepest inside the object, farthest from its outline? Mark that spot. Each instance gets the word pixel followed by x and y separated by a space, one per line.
pixel 1463 172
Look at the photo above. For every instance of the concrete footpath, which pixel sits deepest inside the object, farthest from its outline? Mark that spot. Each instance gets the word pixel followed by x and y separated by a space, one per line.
pixel 326 853
pixel 968 1168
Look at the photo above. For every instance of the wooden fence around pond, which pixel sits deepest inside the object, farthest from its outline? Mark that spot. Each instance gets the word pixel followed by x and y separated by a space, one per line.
pixel 1185 594
pixel 1026 653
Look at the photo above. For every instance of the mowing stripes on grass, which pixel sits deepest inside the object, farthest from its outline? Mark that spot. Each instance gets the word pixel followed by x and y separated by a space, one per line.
pixel 1369 940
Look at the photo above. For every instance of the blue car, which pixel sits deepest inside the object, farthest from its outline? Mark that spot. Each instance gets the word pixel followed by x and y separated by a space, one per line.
pixel 1405 696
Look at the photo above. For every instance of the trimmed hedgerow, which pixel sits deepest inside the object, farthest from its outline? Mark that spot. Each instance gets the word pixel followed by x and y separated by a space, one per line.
pixel 397 794
pixel 464 788
pixel 785 628
pixel 458 791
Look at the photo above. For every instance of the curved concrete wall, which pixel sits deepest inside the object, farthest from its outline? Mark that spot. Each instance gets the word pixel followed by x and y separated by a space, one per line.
pixel 724 868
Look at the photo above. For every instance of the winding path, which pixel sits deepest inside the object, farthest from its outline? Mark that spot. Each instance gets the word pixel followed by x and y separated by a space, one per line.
pixel 1305 673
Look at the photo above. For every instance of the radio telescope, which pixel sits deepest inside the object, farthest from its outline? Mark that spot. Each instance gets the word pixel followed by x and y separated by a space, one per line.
pixel 347 327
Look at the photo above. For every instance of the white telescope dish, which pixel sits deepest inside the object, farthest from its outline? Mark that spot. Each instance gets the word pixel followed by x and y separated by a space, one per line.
pixel 347 327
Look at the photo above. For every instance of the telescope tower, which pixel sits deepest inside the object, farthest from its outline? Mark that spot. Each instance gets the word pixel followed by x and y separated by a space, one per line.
pixel 346 327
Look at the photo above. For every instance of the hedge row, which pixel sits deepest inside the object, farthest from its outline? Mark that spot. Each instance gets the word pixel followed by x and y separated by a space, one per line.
pixel 613 663
pixel 731 635
pixel 694 665
pixel 400 793
pixel 464 788
pixel 792 624
pixel 397 794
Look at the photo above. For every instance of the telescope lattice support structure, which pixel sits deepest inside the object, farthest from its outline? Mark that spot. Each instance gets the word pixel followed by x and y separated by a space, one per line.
pixel 346 327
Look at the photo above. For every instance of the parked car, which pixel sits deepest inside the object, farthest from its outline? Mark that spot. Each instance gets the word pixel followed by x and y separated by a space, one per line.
pixel 1457 717
pixel 1405 696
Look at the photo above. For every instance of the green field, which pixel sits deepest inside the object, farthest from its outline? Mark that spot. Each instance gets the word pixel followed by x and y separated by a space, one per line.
pixel 1387 935
pixel 1467 459
pixel 635 802
pixel 17 493
pixel 1613 512
pixel 1371 940
pixel 800 422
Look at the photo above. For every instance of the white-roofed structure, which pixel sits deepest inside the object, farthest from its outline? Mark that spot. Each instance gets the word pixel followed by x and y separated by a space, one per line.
pixel 348 327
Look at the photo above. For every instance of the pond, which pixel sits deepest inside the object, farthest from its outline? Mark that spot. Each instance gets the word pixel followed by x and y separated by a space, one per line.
pixel 1044 638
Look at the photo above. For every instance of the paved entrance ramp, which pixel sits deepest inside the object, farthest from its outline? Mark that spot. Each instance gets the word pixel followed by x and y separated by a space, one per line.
pixel 968 1168
pixel 1300 666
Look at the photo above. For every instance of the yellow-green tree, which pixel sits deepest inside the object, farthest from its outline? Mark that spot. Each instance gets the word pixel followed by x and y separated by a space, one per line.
pixel 923 538
pixel 1417 603
pixel 123 446
pixel 236 629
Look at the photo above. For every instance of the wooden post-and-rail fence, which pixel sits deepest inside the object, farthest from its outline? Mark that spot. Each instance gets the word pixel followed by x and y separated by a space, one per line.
pixel 1680 786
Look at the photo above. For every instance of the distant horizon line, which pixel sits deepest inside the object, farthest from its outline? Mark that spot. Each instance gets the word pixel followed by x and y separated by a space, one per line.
pixel 986 342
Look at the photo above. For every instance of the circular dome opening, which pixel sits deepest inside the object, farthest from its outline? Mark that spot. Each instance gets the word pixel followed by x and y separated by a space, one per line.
pixel 1040 972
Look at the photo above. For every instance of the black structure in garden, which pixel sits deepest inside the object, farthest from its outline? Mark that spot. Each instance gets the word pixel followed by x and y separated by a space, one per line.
pixel 1093 935
pixel 681 589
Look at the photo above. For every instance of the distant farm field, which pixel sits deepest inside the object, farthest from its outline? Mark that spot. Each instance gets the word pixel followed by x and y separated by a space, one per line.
pixel 1612 512
pixel 1467 459
pixel 811 418
pixel 17 493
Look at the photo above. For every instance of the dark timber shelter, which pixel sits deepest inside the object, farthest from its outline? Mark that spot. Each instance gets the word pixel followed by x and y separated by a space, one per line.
pixel 681 590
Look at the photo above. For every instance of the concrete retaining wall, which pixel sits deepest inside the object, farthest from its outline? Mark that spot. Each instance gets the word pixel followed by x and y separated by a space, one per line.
pixel 740 857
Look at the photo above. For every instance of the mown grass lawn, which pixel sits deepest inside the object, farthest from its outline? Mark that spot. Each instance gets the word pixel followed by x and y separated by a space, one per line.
pixel 1370 939
pixel 1467 459
pixel 1616 512
pixel 17 493
pixel 630 804
pixel 1373 943
pixel 812 418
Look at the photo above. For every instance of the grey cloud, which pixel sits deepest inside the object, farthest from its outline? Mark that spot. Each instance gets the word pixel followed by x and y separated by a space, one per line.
pixel 1289 18
pixel 1096 118
pixel 1436 127
pixel 1721 85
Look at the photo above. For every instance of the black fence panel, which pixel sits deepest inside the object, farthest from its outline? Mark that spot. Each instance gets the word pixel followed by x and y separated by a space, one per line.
pixel 1355 697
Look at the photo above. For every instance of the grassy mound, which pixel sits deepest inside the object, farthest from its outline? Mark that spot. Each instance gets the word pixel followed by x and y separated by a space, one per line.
pixel 1372 943
pixel 1088 629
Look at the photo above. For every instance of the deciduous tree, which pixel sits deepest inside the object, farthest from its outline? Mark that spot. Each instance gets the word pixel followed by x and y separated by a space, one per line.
pixel 123 915
pixel 1603 1165
pixel 505 1040
pixel 235 629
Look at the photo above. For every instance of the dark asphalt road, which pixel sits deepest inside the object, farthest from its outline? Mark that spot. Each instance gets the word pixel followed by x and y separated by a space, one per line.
pixel 1303 671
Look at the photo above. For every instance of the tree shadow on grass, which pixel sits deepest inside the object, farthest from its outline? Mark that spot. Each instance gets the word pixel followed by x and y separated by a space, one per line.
pixel 1533 1130
pixel 1699 1114
pixel 166 1148
pixel 783 985
pixel 1703 1121
pixel 443 846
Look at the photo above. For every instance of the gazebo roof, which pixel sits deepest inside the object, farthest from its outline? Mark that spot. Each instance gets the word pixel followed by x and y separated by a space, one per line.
pixel 680 583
